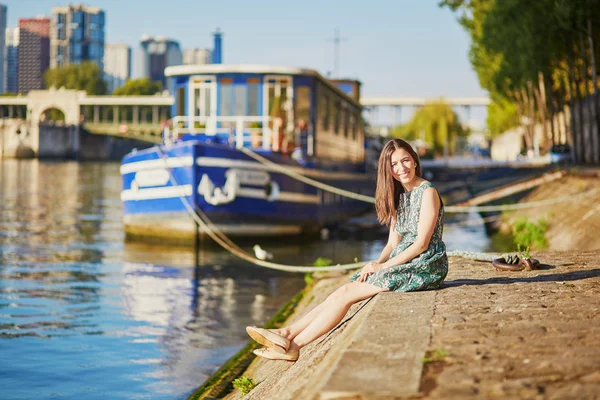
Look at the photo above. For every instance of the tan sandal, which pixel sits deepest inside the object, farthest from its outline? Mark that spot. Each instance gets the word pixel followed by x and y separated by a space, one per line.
pixel 268 339
pixel 271 354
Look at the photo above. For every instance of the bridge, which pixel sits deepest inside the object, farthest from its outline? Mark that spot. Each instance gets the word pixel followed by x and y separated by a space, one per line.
pixel 138 118
pixel 392 106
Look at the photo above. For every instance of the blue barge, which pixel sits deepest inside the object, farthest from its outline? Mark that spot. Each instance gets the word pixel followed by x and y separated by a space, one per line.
pixel 292 117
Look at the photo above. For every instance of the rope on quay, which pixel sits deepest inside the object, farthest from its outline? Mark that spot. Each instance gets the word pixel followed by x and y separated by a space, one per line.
pixel 215 234
pixel 370 199
pixel 308 181
pixel 220 238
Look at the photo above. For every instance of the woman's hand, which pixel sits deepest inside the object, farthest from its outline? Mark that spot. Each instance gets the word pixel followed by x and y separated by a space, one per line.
pixel 368 269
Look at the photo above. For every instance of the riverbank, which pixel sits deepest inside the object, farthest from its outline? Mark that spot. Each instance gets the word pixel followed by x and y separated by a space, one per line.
pixel 526 334
pixel 572 224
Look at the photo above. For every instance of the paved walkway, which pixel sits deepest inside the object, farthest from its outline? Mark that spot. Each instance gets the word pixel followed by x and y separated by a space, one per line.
pixel 486 334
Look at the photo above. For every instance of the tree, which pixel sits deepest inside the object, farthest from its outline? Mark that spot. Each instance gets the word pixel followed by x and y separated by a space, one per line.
pixel 535 58
pixel 85 76
pixel 435 123
pixel 138 87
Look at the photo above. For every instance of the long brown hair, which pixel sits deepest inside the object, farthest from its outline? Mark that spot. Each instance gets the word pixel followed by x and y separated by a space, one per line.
pixel 387 194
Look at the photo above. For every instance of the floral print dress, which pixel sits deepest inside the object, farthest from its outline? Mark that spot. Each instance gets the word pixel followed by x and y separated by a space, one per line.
pixel 428 269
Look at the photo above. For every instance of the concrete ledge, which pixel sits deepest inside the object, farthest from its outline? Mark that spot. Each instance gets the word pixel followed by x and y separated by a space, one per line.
pixel 385 356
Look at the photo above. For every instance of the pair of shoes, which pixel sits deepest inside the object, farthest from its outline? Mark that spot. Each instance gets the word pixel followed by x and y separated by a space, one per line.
pixel 268 339
pixel 271 354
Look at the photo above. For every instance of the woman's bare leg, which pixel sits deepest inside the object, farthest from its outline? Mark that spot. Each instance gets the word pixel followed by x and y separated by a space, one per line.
pixel 294 329
pixel 332 311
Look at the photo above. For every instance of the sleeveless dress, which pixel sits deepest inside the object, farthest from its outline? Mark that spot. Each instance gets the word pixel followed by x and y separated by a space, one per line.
pixel 428 269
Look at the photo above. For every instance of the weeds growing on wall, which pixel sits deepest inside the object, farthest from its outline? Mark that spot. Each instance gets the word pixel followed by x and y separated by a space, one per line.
pixel 530 234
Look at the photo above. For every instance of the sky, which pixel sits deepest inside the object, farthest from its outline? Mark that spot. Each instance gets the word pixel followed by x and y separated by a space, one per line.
pixel 394 47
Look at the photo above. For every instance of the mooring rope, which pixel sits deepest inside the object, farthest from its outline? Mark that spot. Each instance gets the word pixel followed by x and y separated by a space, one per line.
pixel 220 238
pixel 370 199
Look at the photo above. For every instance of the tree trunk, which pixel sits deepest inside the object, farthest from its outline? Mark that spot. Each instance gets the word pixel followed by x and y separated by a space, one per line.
pixel 595 100
pixel 524 115
pixel 565 116
pixel 574 124
pixel 585 101
pixel 553 114
pixel 531 116
pixel 540 94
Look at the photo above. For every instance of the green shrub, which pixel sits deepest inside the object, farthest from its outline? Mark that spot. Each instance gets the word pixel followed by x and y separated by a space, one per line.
pixel 322 262
pixel 530 234
pixel 244 384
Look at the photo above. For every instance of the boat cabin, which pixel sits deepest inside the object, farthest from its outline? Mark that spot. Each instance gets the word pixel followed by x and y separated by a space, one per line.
pixel 268 109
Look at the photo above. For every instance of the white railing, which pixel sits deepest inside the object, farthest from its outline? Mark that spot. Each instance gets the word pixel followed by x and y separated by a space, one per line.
pixel 238 128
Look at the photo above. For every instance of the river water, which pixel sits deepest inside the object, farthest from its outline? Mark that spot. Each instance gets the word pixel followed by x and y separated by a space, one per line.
pixel 84 314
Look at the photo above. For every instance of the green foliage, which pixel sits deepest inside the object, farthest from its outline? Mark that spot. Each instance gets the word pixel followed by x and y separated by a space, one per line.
pixel 502 115
pixel 308 279
pixel 138 87
pixel 528 53
pixel 524 253
pixel 244 384
pixel 436 355
pixel 322 262
pixel 435 123
pixel 85 76
pixel 530 234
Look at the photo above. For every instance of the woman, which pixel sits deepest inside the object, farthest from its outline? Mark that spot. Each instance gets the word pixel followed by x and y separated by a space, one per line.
pixel 414 257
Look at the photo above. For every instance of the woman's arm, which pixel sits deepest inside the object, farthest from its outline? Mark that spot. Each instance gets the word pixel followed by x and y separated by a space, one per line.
pixel 430 205
pixel 393 240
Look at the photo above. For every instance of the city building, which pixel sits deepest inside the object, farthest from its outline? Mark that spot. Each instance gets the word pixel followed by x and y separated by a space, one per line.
pixel 34 53
pixel 2 47
pixel 11 83
pixel 77 35
pixel 217 53
pixel 196 56
pixel 153 55
pixel 117 65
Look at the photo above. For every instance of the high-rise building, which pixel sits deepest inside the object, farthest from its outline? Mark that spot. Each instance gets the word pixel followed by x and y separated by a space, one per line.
pixel 153 55
pixel 34 52
pixel 77 35
pixel 117 65
pixel 2 47
pixel 11 83
pixel 196 56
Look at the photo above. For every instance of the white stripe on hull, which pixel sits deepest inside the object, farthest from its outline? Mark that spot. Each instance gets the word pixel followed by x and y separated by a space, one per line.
pixel 171 162
pixel 186 190
pixel 166 192
pixel 187 161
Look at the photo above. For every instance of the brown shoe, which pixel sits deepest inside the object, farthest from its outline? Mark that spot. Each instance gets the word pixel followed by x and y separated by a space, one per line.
pixel 268 339
pixel 271 354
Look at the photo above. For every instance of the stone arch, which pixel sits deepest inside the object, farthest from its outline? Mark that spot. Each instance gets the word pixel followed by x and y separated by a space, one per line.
pixel 53 113
pixel 68 101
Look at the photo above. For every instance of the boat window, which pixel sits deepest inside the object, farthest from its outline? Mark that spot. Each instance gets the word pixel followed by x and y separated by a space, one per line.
pixel 180 101
pixel 324 107
pixel 345 120
pixel 336 116
pixel 303 103
pixel 253 98
pixel 239 96
pixel 225 98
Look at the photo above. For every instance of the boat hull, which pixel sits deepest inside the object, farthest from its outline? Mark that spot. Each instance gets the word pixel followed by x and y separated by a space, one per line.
pixel 164 186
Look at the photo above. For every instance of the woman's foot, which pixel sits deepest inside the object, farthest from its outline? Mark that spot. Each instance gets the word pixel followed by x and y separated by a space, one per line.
pixel 271 354
pixel 268 338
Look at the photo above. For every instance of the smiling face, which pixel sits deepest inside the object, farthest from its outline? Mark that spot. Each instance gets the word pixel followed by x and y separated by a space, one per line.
pixel 403 166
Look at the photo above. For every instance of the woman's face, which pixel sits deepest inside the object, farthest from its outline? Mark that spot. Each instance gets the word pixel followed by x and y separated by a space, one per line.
pixel 403 166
